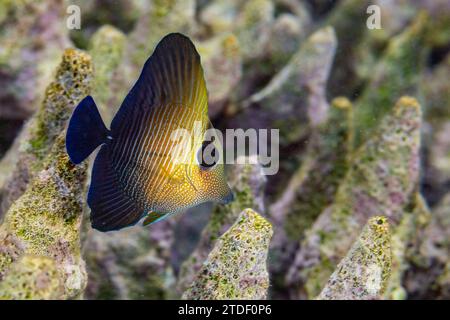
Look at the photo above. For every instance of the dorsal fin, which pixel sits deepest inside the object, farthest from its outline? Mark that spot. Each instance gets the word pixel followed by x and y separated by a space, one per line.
pixel 173 74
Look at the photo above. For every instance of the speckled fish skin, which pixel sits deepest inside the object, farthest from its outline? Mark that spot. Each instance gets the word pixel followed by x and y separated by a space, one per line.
pixel 135 173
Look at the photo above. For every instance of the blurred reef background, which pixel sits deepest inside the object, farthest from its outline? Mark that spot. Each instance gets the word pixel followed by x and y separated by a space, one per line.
pixel 360 208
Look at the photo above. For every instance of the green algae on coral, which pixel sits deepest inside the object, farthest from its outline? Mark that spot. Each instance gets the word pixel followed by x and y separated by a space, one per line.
pixel 133 263
pixel 405 237
pixel 429 255
pixel 32 37
pixel 397 73
pixel 162 17
pixel 220 55
pixel 314 189
pixel 106 48
pixel 72 82
pixel 32 278
pixel 365 270
pixel 45 221
pixel 253 25
pixel 350 25
pixel 296 95
pixel 247 183
pixel 382 175
pixel 236 267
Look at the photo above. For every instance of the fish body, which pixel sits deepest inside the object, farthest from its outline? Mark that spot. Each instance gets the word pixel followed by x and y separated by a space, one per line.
pixel 145 166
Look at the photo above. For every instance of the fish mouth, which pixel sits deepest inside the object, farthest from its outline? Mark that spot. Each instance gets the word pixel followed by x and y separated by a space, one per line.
pixel 228 198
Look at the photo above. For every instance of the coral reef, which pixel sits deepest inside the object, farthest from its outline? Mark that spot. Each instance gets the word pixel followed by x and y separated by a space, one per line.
pixel 296 95
pixel 359 206
pixel 365 270
pixel 42 229
pixel 382 175
pixel 106 49
pixel 247 183
pixel 119 263
pixel 429 255
pixel 312 187
pixel 130 264
pixel 30 31
pixel 236 267
pixel 34 277
pixel 396 74
pixel 221 55
pixel 405 236
pixel 72 82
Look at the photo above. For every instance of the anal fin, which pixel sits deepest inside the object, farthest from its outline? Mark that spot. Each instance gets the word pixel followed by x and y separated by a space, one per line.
pixel 111 207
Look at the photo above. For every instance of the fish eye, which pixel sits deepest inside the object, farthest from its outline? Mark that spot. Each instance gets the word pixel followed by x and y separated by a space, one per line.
pixel 207 155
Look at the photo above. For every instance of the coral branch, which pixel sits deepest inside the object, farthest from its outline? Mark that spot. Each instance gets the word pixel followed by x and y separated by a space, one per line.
pixel 381 178
pixel 107 47
pixel 236 267
pixel 72 83
pixel 429 256
pixel 364 272
pixel 312 187
pixel 396 74
pixel 133 263
pixel 405 236
pixel 247 183
pixel 296 95
pixel 32 36
pixel 45 221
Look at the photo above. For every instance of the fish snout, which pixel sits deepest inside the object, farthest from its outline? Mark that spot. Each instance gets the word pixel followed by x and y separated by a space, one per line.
pixel 228 198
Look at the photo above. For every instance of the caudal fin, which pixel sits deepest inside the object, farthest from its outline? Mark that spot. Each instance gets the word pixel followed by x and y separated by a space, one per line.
pixel 86 131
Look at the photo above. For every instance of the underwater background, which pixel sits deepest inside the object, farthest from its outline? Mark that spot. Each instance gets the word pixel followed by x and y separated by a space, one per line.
pixel 360 208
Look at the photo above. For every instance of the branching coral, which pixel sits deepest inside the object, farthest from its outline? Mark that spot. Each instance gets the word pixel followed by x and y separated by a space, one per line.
pixel 45 221
pixel 236 267
pixel 72 82
pixel 247 182
pixel 348 168
pixel 383 173
pixel 31 31
pixel 364 272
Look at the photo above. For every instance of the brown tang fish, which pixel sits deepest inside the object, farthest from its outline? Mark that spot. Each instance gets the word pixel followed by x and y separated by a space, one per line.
pixel 146 166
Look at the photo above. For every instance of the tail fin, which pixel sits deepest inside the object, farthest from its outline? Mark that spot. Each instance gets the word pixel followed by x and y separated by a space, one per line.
pixel 86 131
